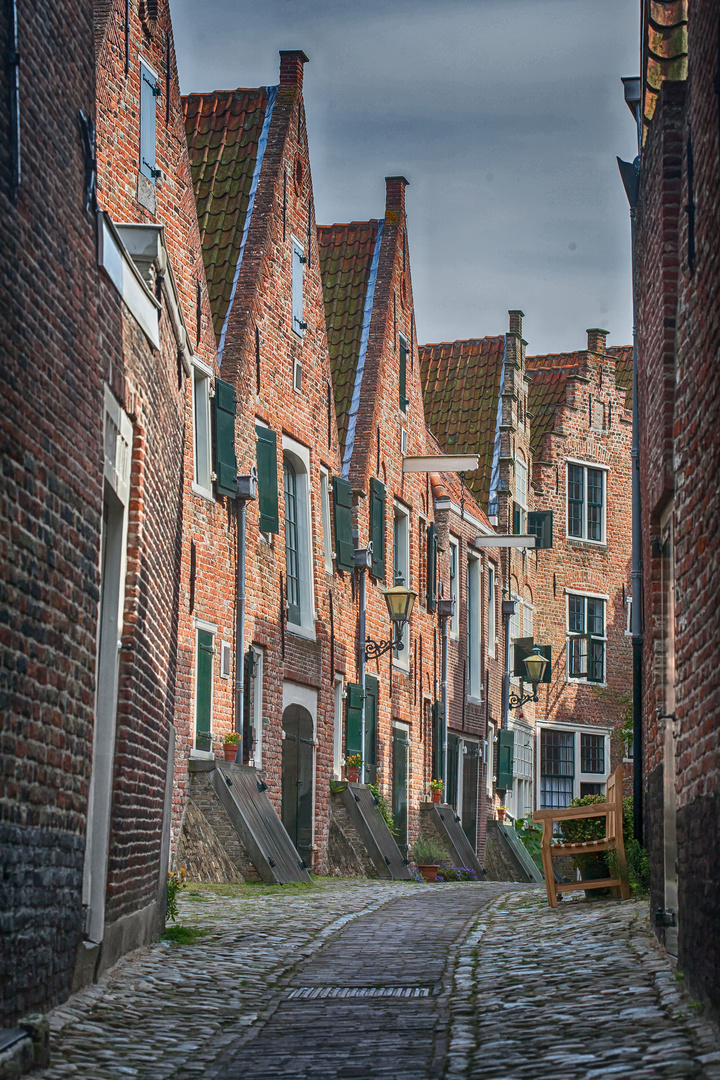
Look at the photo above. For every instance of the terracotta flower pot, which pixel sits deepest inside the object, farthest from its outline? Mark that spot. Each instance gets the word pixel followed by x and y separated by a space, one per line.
pixel 436 796
pixel 501 815
pixel 353 773
pixel 230 750
pixel 429 871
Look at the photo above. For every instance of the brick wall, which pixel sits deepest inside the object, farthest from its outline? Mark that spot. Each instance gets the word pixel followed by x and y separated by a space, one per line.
pixel 51 436
pixel 679 341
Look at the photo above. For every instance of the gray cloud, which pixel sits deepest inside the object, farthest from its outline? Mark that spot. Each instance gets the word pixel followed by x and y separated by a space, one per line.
pixel 505 115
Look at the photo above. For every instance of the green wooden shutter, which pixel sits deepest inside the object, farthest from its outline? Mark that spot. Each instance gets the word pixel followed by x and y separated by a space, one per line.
pixel 377 527
pixel 225 460
pixel 371 702
pixel 431 566
pixel 517 519
pixel 540 525
pixel 342 509
pixel 505 756
pixel 353 719
pixel 267 479
pixel 546 651
pixel 403 375
pixel 203 690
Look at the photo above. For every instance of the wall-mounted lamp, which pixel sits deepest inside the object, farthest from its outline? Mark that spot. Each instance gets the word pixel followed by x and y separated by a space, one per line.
pixel 535 664
pixel 400 603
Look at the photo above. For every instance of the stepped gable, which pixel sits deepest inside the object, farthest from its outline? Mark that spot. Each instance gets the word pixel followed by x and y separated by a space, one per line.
pixel 223 131
pixel 461 388
pixel 346 252
pixel 547 378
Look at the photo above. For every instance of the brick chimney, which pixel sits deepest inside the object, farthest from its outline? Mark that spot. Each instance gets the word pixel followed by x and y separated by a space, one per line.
pixel 395 193
pixel 291 67
pixel 596 340
pixel 516 318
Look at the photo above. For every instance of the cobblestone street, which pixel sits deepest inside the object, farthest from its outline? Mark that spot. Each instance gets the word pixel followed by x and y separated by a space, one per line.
pixel 369 979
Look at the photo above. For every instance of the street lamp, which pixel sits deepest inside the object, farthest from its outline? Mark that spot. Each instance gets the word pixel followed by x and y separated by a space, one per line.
pixel 535 664
pixel 400 603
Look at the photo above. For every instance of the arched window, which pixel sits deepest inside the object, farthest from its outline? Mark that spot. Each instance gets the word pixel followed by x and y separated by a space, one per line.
pixel 292 563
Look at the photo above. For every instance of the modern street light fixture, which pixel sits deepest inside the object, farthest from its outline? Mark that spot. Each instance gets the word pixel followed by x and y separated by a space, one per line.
pixel 535 664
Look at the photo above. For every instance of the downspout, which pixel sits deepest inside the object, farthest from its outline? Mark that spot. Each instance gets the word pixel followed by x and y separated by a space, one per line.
pixel 246 489
pixel 445 704
pixel 361 662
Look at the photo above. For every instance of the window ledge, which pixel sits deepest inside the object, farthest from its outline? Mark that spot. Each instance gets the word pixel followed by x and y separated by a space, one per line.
pixel 583 540
pixel 582 682
pixel 202 755
pixel 474 700
pixel 301 631
pixel 202 492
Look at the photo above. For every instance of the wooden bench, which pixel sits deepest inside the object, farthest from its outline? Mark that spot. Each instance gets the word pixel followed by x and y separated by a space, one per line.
pixel 611 810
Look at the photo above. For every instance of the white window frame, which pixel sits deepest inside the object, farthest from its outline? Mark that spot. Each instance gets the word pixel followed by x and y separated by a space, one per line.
pixel 521 468
pixel 402 514
pixel 492 601
pixel 523 768
pixel 490 759
pixel 325 512
pixel 454 587
pixel 148 168
pixel 474 682
pixel 583 679
pixel 515 630
pixel 579 777
pixel 298 289
pixel 603 470
pixel 299 456
pixel 225 660
pixel 256 757
pixel 202 444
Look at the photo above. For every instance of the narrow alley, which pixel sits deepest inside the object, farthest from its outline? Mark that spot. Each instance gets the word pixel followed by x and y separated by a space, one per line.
pixel 401 980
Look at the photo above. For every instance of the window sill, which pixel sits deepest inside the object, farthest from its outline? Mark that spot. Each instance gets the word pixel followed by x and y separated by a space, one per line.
pixel 301 631
pixel 582 682
pixel 471 700
pixel 204 493
pixel 203 755
pixel 583 540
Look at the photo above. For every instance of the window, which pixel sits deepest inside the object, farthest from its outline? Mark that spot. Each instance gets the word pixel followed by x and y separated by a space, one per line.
pixel 149 93
pixel 454 566
pixel 201 431
pixel 473 628
pixel 557 768
pixel 254 667
pixel 205 650
pixel 401 570
pixel 338 729
pixel 225 659
pixel 298 551
pixel 520 504
pixel 325 506
pixel 491 610
pixel 592 753
pixel 522 789
pixel 527 614
pixel 292 568
pixel 586 503
pixel 377 527
pixel 586 638
pixel 298 273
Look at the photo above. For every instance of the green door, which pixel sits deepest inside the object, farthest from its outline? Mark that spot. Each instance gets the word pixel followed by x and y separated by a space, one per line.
pixel 371 709
pixel 203 690
pixel 453 752
pixel 401 745
pixel 297 778
pixel 470 776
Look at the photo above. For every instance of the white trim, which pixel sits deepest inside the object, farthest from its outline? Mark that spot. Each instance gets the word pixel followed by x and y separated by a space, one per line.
pixel 448 504
pixel 306 627
pixel 117 263
pixel 585 539
pixel 454 625
pixel 201 624
pixel 259 681
pixel 326 519
pixel 148 65
pixel 579 591
pixel 202 376
pixel 578 730
pixel 205 368
pixel 338 717
pixel 401 512
pixel 436 463
pixel 225 651
pixel 587 464
pixel 298 694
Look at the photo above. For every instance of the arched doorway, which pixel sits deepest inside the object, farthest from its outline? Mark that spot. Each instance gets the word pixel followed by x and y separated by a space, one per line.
pixel 297 778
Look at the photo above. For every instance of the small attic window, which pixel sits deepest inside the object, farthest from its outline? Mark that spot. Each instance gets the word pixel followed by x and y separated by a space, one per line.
pixel 298 176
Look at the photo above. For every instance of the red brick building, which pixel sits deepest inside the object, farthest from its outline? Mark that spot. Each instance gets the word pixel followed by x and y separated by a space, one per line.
pixel 678 319
pixel 581 426
pixel 50 496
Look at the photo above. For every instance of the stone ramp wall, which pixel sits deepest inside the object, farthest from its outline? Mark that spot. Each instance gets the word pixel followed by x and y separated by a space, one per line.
pixel 209 848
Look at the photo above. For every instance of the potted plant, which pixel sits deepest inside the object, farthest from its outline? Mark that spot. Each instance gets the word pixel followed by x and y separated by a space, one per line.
pixel 230 745
pixel 436 790
pixel 352 767
pixel 429 853
pixel 581 830
pixel 501 812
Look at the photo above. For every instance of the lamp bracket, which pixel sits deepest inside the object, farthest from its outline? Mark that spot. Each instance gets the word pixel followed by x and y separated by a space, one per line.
pixel 516 701
pixel 375 649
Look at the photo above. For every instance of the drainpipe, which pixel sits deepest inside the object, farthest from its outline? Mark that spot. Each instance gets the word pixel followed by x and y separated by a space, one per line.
pixel 630 175
pixel 445 611
pixel 246 489
pixel 363 562
pixel 508 610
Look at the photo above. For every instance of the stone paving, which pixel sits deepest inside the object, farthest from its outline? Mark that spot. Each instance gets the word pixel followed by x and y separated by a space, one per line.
pixel 393 980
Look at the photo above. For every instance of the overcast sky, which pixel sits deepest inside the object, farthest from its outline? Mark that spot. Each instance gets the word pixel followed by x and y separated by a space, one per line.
pixel 504 115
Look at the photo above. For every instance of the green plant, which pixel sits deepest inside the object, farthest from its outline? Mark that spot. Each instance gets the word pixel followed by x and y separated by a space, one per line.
pixel 183 935
pixel 383 807
pixel 427 851
pixel 531 837
pixel 175 882
pixel 353 761
pixel 436 785
pixel 232 737
pixel 580 831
